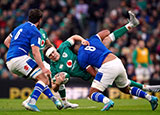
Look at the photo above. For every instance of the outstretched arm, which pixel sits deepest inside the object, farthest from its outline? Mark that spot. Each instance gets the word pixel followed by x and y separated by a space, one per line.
pixel 74 38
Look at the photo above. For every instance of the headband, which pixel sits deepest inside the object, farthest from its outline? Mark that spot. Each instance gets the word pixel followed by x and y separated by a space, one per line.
pixel 49 51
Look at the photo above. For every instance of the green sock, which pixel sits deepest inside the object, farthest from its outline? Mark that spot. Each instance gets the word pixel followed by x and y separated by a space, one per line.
pixel 118 33
pixel 133 83
pixel 62 93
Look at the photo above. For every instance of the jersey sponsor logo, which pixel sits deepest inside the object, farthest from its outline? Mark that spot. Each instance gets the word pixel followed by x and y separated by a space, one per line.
pixel 64 55
pixel 60 66
pixel 26 67
pixel 42 43
pixel 69 63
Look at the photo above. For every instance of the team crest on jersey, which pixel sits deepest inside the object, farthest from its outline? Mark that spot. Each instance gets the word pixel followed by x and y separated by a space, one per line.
pixel 64 55
pixel 42 43
pixel 60 66
pixel 69 63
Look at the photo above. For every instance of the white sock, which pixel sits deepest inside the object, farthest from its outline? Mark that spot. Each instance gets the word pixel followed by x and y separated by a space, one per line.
pixel 32 101
pixel 112 36
pixel 106 100
pixel 148 97
pixel 129 26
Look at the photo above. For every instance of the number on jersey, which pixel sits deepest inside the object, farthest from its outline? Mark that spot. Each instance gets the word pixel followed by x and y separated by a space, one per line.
pixel 18 33
pixel 90 48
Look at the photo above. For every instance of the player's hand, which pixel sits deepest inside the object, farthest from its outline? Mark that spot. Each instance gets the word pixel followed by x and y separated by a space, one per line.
pixel 85 42
pixel 59 78
pixel 46 71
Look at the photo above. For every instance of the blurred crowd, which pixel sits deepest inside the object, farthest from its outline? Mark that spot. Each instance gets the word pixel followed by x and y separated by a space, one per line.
pixel 63 18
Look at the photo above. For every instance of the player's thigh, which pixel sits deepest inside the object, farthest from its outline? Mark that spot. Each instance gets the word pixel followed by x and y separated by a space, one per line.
pixel 105 76
pixel 122 80
pixel 24 65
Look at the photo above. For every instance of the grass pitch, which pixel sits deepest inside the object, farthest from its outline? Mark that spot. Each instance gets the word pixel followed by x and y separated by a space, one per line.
pixel 86 107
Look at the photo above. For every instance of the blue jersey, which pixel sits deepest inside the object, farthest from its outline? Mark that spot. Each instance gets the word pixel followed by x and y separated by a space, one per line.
pixel 94 54
pixel 23 37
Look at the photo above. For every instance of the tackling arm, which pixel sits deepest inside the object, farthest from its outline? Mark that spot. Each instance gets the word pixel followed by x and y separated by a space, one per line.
pixel 78 38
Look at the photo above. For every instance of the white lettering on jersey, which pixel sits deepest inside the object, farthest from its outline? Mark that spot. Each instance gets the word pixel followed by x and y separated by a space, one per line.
pixel 18 33
pixel 39 40
pixel 90 48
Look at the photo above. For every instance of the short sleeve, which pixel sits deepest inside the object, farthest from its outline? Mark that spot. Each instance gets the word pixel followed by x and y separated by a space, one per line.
pixel 36 39
pixel 65 44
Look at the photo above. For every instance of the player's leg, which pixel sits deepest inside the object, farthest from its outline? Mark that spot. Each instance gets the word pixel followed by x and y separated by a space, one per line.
pixel 26 66
pixel 96 95
pixel 122 82
pixel 133 22
pixel 66 103
pixel 151 88
pixel 47 92
pixel 102 80
pixel 29 68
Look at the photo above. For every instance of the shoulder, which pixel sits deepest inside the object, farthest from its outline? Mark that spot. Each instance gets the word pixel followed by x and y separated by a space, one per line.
pixel 65 44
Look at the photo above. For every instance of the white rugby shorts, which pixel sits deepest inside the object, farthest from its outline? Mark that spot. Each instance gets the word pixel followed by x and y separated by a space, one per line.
pixel 24 66
pixel 108 73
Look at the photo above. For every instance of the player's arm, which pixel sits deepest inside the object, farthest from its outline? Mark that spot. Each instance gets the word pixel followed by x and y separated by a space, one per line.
pixel 7 41
pixel 48 42
pixel 149 59
pixel 91 70
pixel 74 38
pixel 104 36
pixel 59 78
pixel 134 58
pixel 58 81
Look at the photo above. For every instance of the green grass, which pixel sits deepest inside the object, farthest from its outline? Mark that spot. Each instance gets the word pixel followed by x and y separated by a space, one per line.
pixel 86 107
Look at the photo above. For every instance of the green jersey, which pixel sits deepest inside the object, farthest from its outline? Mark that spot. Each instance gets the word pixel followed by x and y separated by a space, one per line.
pixel 68 63
pixel 44 37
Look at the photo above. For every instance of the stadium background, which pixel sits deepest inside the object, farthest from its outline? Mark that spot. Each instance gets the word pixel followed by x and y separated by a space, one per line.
pixel 63 18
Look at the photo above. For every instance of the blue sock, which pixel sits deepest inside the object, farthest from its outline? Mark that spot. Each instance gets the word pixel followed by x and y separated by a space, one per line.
pixel 49 94
pixel 96 96
pixel 137 92
pixel 38 89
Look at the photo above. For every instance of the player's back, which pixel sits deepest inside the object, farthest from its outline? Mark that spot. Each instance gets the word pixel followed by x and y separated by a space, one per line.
pixel 22 39
pixel 94 54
